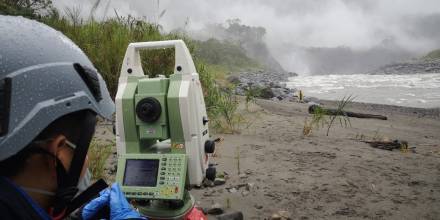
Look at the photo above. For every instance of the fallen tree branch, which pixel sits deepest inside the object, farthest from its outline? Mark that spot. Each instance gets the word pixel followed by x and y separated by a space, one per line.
pixel 328 111
pixel 388 145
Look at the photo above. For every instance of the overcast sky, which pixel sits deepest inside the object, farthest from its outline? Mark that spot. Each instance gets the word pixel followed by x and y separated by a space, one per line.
pixel 410 24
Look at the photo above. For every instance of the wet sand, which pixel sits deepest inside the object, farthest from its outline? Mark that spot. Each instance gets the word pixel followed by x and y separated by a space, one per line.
pixel 330 177
pixel 327 177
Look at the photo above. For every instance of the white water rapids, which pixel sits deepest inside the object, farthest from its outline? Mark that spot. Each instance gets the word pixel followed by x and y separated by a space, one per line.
pixel 413 90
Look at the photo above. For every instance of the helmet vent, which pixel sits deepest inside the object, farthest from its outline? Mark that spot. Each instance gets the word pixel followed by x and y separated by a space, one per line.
pixel 90 77
pixel 5 91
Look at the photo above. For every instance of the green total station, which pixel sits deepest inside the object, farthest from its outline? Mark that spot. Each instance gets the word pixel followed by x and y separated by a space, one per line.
pixel 162 134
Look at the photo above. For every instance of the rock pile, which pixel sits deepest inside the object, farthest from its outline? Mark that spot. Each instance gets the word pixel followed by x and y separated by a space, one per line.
pixel 412 67
pixel 267 85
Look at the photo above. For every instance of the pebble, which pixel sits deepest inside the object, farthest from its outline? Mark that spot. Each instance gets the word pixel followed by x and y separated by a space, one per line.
pixel 208 193
pixel 219 181
pixel 216 209
pixel 207 183
pixel 245 193
pixel 281 215
pixel 250 186
pixel 275 217
pixel 231 216
pixel 284 215
pixel 242 176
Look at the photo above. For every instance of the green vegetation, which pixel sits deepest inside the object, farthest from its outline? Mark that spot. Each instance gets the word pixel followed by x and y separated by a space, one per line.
pixel 344 120
pixel 97 157
pixel 433 55
pixel 224 54
pixel 225 113
pixel 251 93
pixel 249 39
pixel 26 8
pixel 105 44
pixel 321 119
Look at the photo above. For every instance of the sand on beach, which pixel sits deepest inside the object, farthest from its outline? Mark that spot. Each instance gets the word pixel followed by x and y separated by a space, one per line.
pixel 329 177
pixel 326 177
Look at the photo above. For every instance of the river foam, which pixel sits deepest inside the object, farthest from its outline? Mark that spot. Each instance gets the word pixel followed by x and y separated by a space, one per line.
pixel 413 90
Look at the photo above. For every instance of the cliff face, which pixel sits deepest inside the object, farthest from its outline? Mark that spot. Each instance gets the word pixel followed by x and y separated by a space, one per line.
pixel 250 38
pixel 259 52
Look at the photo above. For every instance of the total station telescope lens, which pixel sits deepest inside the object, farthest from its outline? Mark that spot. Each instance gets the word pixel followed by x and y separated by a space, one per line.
pixel 148 109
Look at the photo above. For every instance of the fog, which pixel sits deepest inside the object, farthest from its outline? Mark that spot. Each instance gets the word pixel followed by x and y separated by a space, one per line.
pixel 308 37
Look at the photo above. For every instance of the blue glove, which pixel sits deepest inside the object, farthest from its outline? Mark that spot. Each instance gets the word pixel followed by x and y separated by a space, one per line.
pixel 115 199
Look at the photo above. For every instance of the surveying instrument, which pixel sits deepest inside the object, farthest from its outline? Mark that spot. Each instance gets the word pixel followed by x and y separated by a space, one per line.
pixel 162 135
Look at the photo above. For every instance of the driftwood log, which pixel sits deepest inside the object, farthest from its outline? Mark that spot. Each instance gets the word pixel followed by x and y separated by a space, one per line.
pixel 328 111
pixel 388 145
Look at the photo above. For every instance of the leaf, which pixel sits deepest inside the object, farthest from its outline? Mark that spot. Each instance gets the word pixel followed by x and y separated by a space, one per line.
pixel 162 13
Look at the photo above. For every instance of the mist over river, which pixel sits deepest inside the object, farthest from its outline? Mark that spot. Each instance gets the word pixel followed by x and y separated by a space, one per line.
pixel 412 90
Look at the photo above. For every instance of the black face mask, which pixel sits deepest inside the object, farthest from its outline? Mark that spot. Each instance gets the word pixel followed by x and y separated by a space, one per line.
pixel 61 171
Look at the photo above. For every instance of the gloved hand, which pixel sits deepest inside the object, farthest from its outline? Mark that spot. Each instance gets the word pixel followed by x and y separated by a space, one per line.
pixel 115 199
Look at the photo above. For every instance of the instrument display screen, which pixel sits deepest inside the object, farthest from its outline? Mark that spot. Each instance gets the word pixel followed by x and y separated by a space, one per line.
pixel 141 172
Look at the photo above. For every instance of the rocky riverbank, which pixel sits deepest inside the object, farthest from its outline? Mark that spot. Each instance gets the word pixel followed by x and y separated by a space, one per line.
pixel 411 67
pixel 264 84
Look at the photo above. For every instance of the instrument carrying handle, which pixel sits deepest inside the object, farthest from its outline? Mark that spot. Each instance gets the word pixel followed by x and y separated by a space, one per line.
pixel 132 65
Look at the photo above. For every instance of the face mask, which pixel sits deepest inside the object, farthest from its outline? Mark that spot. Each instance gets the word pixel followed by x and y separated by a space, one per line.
pixel 83 183
pixel 86 180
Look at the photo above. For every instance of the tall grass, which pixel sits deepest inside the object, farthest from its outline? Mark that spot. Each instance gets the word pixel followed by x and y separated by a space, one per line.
pixel 221 103
pixel 320 117
pixel 98 155
pixel 105 43
pixel 344 120
pixel 251 94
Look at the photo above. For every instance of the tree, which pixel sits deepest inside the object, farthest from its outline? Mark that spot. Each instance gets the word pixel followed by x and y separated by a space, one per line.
pixel 27 8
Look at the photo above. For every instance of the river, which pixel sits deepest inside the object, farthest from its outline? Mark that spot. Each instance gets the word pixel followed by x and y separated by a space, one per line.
pixel 412 90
